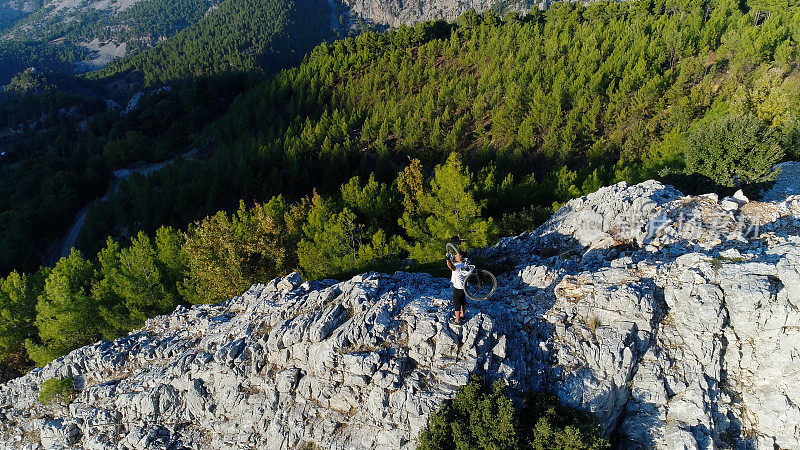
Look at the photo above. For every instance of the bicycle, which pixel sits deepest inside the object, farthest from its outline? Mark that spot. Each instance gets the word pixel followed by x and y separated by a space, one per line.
pixel 480 284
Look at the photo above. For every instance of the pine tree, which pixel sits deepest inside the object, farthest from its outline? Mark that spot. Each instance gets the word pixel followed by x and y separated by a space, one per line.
pixel 448 207
pixel 67 316
pixel 18 293
pixel 136 283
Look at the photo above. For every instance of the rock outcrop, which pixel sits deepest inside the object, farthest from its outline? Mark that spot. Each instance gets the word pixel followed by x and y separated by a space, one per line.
pixel 397 12
pixel 672 320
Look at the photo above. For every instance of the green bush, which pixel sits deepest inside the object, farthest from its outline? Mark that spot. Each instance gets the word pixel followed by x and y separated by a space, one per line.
pixel 480 416
pixel 60 391
pixel 546 424
pixel 483 417
pixel 733 151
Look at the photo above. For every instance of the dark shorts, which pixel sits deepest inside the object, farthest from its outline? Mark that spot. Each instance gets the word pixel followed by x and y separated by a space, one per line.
pixel 459 299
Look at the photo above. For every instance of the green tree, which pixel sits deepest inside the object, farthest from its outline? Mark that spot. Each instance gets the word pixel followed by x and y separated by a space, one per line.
pixel 331 239
pixel 479 417
pixel 139 281
pixel 18 294
pixel 483 417
pixel 733 150
pixel 336 243
pixel 373 202
pixel 67 316
pixel 226 254
pixel 447 208
pixel 546 424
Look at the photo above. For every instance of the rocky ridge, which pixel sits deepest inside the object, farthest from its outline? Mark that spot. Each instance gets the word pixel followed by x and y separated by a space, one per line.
pixel 394 13
pixel 673 320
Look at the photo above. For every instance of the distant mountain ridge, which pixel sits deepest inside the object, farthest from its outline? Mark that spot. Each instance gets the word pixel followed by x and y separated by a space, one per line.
pixel 394 13
pixel 110 30
pixel 246 36
pixel 107 29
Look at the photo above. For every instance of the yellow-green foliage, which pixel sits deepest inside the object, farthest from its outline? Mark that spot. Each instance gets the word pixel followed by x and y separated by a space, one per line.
pixel 226 253
pixel 57 391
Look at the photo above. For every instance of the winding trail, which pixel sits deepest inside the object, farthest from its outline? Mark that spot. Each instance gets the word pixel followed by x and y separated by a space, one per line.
pixel 63 246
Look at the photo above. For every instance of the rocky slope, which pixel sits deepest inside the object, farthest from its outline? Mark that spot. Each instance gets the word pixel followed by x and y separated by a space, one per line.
pixel 397 12
pixel 673 320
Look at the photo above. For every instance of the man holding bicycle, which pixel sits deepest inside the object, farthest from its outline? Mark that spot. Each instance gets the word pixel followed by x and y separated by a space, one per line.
pixel 457 265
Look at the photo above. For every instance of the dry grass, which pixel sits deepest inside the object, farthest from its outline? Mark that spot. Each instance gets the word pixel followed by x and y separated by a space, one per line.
pixel 761 214
pixel 718 261
pixel 32 437
pixel 572 289
pixel 249 389
pixel 593 323
pixel 359 348
pixel 263 329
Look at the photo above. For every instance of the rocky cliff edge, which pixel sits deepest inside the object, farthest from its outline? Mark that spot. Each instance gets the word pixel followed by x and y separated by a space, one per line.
pixel 673 320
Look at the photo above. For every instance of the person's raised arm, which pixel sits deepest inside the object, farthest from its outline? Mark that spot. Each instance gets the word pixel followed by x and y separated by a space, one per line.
pixel 449 263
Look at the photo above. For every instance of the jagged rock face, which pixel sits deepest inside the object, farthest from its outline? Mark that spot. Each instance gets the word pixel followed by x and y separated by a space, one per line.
pixel 358 364
pixel 397 12
pixel 672 320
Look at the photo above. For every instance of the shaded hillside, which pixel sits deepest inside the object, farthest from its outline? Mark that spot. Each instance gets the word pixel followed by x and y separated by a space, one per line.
pixel 61 143
pixel 65 129
pixel 238 36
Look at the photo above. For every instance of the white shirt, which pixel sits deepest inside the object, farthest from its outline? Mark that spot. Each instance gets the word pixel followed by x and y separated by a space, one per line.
pixel 459 275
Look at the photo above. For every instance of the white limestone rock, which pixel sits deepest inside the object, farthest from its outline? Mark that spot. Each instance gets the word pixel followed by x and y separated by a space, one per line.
pixel 654 312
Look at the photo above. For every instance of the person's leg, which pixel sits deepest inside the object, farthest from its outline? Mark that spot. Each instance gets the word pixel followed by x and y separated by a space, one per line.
pixel 455 305
pixel 459 300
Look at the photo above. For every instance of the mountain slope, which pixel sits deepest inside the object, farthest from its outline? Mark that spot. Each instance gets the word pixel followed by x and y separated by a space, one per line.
pixel 192 37
pixel 238 36
pixel 103 30
pixel 668 318
pixel 394 13
pixel 579 97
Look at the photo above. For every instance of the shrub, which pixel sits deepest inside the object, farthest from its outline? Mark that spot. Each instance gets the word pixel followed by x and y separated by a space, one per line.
pixel 733 150
pixel 57 391
pixel 483 417
pixel 546 424
pixel 480 416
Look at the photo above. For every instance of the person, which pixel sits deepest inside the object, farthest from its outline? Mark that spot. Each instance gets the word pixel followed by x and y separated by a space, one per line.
pixel 457 278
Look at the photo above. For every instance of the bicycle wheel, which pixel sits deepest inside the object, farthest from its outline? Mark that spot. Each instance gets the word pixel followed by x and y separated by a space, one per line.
pixel 452 249
pixel 480 285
